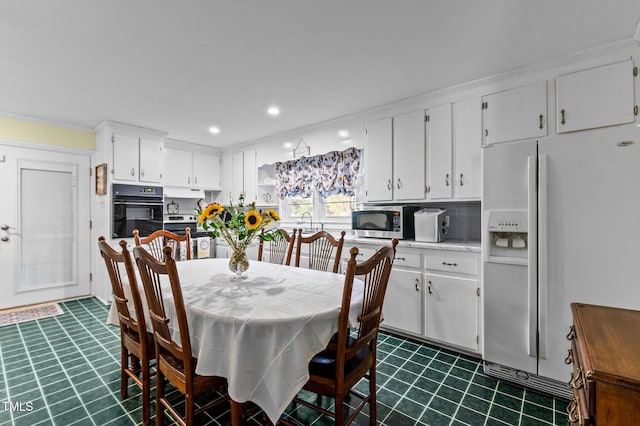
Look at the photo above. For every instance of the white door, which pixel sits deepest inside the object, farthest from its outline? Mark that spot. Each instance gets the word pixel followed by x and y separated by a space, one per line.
pixel 409 156
pixel 439 156
pixel 44 218
pixel 378 159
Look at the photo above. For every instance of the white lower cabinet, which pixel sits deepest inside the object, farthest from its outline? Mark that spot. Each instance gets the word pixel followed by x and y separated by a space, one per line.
pixel 402 308
pixel 451 310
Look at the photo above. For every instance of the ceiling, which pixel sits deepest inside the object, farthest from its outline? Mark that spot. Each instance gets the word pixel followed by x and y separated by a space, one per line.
pixel 182 67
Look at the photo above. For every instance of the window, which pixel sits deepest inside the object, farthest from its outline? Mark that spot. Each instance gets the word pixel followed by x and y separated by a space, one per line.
pixel 297 206
pixel 338 205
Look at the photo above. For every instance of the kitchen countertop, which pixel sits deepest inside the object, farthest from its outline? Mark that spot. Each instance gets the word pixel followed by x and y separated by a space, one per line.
pixel 456 245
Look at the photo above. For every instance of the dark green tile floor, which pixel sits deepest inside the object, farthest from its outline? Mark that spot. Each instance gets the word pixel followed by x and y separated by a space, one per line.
pixel 64 370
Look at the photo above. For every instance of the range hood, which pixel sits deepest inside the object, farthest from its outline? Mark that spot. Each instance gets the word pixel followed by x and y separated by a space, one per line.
pixel 173 192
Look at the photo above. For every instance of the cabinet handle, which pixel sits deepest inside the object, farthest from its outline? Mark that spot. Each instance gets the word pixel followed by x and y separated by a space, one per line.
pixel 569 359
pixel 449 264
pixel 133 172
pixel 389 184
pixel 400 258
pixel 446 179
pixel 416 284
pixel 562 121
pixel 541 126
pixel 461 181
pixel 429 287
pixel 142 173
pixel 576 381
pixel 195 180
pixel 486 132
pixel 572 333
pixel 399 184
pixel 189 180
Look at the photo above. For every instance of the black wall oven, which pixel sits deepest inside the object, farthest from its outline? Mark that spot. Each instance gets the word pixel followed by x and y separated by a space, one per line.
pixel 136 207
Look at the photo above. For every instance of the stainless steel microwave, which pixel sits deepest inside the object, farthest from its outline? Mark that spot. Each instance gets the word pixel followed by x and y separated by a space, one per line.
pixel 384 222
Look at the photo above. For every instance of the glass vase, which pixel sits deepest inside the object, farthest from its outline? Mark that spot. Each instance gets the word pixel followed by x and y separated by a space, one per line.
pixel 238 263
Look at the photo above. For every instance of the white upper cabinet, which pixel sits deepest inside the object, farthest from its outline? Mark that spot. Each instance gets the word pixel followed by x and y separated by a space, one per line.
pixel 136 158
pixel 439 155
pixel 395 158
pixel 454 139
pixel 596 97
pixel 189 169
pixel 519 113
pixel 467 144
pixel 378 164
pixel 409 156
pixel 206 171
pixel 243 176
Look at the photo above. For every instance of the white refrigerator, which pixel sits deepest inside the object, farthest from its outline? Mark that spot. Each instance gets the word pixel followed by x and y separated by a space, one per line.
pixel 561 224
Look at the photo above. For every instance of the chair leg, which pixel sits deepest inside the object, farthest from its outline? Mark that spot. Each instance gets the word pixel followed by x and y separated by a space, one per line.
pixel 124 364
pixel 188 408
pixel 159 396
pixel 146 392
pixel 372 400
pixel 339 409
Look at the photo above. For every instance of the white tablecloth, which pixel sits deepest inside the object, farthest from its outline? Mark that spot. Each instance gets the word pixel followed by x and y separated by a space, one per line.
pixel 259 332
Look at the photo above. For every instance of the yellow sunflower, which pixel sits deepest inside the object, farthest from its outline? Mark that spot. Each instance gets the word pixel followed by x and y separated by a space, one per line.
pixel 209 212
pixel 252 219
pixel 274 214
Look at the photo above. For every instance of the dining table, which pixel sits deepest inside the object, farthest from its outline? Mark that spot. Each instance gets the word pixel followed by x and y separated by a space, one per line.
pixel 260 330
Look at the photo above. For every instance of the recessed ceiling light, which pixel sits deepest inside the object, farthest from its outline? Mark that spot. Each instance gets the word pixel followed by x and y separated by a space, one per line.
pixel 214 130
pixel 273 110
pixel 343 133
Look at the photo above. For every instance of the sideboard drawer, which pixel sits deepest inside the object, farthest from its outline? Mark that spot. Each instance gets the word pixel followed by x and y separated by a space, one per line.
pixel 452 261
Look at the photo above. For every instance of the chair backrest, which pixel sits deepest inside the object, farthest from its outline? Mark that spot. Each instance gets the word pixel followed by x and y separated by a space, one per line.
pixel 280 249
pixel 152 273
pixel 157 240
pixel 113 261
pixel 375 273
pixel 324 250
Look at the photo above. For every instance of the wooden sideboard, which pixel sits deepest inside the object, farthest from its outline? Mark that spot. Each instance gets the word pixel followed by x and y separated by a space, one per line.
pixel 605 352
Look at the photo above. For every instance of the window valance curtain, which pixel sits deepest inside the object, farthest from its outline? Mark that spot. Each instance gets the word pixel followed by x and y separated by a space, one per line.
pixel 332 173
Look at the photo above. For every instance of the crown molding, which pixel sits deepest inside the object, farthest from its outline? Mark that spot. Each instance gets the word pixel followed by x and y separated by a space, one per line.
pixel 47 122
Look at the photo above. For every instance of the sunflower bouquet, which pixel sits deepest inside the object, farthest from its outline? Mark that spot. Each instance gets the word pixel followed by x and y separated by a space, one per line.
pixel 239 225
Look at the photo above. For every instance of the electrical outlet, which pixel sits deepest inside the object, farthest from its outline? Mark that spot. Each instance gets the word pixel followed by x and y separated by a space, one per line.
pixel 446 221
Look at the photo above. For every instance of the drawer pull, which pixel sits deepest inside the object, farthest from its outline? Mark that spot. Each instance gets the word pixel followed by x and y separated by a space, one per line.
pixel 572 410
pixel 400 258
pixel 572 333
pixel 449 264
pixel 569 359
pixel 576 382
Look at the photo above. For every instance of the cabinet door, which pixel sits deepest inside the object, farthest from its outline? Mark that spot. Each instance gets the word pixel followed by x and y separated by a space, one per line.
pixel 467 137
pixel 237 176
pixel 409 156
pixel 439 156
pixel 451 310
pixel 177 168
pixel 206 171
pixel 378 164
pixel 250 176
pixel 226 179
pixel 125 157
pixel 515 114
pixel 597 97
pixel 151 160
pixel 402 308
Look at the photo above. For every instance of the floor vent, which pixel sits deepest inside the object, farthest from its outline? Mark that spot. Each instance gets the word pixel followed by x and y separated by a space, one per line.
pixel 533 381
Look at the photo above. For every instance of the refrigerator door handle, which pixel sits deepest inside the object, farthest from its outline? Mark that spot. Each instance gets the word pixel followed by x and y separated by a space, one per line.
pixel 542 261
pixel 532 254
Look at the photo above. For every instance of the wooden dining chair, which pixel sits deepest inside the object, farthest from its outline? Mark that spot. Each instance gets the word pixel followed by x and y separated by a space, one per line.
pixel 351 354
pixel 157 240
pixel 137 348
pixel 174 361
pixel 280 250
pixel 324 250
